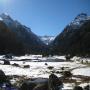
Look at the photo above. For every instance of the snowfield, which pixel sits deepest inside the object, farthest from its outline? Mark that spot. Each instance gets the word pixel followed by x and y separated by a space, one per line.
pixel 39 69
pixel 42 67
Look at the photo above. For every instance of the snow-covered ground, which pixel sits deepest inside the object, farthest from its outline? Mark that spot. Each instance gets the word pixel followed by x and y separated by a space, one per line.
pixel 41 69
pixel 36 58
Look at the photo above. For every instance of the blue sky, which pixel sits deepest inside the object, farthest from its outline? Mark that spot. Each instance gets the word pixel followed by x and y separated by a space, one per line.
pixel 45 17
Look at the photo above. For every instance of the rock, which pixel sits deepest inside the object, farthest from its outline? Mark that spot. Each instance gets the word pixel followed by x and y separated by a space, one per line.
pixel 23 62
pixel 27 86
pixel 31 84
pixel 87 87
pixel 67 74
pixel 50 67
pixel 78 88
pixel 54 83
pixel 26 66
pixel 46 64
pixel 3 77
pixel 41 87
pixel 6 62
pixel 68 57
pixel 40 80
pixel 15 64
pixel 62 68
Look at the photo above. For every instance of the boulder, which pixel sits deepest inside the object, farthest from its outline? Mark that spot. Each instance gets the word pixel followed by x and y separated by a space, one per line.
pixel 78 88
pixel 50 67
pixel 40 81
pixel 26 66
pixel 68 57
pixel 54 83
pixel 67 74
pixel 16 65
pixel 34 84
pixel 27 86
pixel 41 87
pixel 46 64
pixel 6 62
pixel 3 77
pixel 87 87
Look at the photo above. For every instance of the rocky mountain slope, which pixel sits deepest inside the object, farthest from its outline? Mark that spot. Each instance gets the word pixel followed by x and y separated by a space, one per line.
pixel 18 39
pixel 75 38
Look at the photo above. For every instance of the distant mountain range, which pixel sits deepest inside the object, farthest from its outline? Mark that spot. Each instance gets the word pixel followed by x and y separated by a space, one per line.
pixel 47 39
pixel 18 39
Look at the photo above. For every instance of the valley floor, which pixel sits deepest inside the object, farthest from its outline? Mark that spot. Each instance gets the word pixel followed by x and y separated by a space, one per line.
pixel 34 69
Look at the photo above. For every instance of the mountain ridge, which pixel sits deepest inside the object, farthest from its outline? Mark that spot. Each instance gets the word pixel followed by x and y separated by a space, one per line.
pixel 18 38
pixel 71 40
pixel 31 43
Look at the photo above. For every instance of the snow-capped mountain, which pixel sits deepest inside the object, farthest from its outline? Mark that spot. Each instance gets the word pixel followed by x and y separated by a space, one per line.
pixel 47 39
pixel 9 21
pixel 75 38
pixel 79 20
pixel 18 37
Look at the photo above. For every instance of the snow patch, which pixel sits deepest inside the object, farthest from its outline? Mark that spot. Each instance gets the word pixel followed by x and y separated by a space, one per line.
pixel 82 71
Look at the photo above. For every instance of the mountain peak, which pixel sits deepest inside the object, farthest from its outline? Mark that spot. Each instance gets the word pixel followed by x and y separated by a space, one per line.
pixel 5 16
pixel 6 19
pixel 79 20
pixel 82 15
